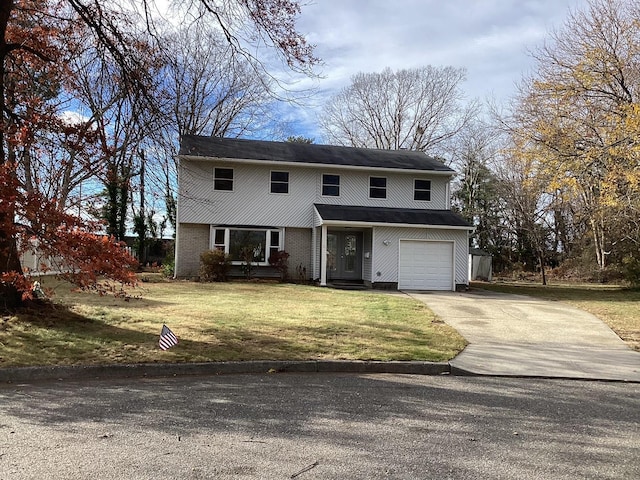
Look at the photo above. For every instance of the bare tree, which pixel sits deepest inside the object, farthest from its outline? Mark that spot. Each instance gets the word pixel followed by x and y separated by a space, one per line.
pixel 120 117
pixel 64 156
pixel 416 109
pixel 475 189
pixel 209 91
pixel 527 208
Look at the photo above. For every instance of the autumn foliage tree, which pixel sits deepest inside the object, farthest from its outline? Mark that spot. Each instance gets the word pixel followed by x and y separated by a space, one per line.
pixel 577 124
pixel 38 40
pixel 35 58
pixel 79 255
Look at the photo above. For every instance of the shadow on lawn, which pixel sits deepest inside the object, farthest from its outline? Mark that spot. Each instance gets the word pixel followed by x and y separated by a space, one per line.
pixel 51 334
pixel 44 333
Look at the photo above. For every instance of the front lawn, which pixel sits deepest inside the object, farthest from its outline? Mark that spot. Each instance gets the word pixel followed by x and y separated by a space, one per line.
pixel 618 307
pixel 224 321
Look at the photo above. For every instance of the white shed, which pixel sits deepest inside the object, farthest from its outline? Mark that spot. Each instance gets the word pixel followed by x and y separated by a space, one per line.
pixel 480 265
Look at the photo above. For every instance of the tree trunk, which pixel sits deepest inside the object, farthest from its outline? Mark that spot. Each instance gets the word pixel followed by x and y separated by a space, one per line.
pixel 142 231
pixel 544 275
pixel 9 259
pixel 598 239
pixel 9 262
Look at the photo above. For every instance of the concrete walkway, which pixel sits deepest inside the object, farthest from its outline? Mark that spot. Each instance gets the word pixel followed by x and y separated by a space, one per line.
pixel 515 335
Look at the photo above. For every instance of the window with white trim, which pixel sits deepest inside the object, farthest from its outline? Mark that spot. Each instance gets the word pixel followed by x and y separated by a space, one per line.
pixel 235 241
pixel 330 185
pixel 279 182
pixel 422 190
pixel 240 240
pixel 223 179
pixel 219 239
pixel 274 243
pixel 377 187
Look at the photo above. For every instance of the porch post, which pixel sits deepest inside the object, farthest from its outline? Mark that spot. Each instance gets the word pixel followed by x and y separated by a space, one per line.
pixel 323 257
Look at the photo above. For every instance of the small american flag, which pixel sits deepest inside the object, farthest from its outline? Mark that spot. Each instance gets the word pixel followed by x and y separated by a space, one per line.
pixel 167 338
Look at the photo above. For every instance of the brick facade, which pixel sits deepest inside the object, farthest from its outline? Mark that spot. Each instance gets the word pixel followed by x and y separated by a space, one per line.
pixel 194 239
pixel 297 243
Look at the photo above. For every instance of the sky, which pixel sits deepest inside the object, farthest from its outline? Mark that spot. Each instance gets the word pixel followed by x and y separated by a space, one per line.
pixel 489 38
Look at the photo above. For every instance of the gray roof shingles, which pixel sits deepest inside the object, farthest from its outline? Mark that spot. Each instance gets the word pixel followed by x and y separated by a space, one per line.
pixel 241 149
pixel 407 216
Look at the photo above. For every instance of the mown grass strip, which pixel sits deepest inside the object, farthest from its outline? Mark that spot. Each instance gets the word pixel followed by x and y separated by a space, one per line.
pixel 225 321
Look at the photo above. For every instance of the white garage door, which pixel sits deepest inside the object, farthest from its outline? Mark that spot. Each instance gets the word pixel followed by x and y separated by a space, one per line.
pixel 425 265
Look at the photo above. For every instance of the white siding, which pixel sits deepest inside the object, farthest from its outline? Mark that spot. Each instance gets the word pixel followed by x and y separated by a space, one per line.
pixel 366 248
pixel 315 254
pixel 250 203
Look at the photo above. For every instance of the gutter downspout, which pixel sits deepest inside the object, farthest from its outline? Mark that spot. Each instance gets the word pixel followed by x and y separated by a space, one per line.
pixel 176 244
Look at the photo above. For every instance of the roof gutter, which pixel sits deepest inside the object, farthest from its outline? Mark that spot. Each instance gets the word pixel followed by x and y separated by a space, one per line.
pixel 348 223
pixel 317 165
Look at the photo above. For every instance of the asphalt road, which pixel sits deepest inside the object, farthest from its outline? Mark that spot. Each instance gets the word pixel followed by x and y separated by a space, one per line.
pixel 322 426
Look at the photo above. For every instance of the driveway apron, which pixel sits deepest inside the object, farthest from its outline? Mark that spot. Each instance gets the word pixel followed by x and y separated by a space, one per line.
pixel 516 335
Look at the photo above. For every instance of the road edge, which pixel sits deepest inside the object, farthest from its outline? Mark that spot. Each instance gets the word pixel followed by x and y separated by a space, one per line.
pixel 14 375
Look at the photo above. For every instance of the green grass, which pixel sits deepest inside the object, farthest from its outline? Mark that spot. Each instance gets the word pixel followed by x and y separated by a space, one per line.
pixel 224 321
pixel 617 306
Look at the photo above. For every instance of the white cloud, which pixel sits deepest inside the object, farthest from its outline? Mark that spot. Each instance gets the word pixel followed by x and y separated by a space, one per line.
pixel 489 38
pixel 72 117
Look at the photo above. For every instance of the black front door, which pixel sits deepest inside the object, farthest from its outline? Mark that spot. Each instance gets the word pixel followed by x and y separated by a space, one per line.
pixel 344 255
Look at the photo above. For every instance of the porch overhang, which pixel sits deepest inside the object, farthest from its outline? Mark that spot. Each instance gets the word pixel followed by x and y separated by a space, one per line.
pixel 353 216
pixel 368 217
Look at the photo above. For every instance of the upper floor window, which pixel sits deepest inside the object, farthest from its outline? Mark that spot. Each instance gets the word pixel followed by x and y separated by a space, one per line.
pixel 223 179
pixel 330 185
pixel 377 187
pixel 422 190
pixel 279 182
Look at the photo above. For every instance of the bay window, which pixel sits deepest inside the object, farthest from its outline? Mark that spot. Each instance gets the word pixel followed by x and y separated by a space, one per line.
pixel 262 243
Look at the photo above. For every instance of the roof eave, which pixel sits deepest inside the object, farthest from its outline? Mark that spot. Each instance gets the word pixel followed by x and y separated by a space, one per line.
pixel 349 223
pixel 446 173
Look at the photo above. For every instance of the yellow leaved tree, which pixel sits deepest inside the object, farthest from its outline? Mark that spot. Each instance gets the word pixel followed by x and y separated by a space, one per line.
pixel 576 122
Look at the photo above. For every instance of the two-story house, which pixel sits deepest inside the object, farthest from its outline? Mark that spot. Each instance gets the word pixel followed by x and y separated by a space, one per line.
pixel 343 214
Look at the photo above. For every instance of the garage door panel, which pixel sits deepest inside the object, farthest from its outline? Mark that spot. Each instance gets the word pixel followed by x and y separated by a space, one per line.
pixel 425 265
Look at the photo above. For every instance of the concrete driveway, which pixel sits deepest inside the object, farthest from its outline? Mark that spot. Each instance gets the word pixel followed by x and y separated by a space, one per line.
pixel 516 335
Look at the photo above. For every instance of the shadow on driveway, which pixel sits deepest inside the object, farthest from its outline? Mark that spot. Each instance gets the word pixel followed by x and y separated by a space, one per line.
pixel 518 335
